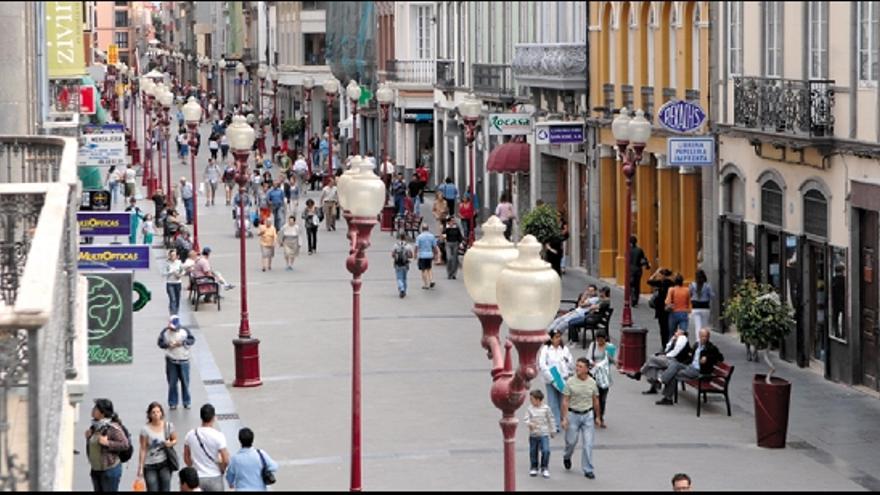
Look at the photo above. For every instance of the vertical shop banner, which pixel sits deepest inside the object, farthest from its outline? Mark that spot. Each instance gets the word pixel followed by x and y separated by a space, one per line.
pixel 110 317
pixel 64 40
pixel 112 54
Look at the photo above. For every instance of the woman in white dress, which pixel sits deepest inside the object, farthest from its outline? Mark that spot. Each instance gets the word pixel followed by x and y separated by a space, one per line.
pixel 291 240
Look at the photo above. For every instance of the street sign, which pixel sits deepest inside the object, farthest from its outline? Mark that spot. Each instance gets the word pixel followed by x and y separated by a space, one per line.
pixel 112 55
pixel 690 151
pixel 681 116
pixel 88 100
pixel 546 133
pixel 109 310
pixel 102 150
pixel 94 223
pixel 114 256
pixel 509 124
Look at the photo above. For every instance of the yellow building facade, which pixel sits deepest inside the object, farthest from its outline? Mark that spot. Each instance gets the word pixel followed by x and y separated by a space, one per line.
pixel 643 54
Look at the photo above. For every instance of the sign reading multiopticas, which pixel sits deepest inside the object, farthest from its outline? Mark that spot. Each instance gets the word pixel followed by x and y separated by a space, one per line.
pixel 559 133
pixel 681 116
pixel 95 223
pixel 690 151
pixel 102 150
pixel 509 124
pixel 118 256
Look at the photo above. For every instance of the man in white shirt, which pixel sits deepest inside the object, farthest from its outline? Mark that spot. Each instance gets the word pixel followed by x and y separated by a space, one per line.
pixel 205 450
pixel 329 198
pixel 676 349
pixel 130 177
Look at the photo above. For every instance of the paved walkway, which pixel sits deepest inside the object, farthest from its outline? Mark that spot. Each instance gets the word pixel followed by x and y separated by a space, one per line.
pixel 428 423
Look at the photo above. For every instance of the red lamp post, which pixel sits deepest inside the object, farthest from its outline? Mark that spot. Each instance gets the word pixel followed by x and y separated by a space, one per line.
pixel 363 196
pixel 273 75
pixel 221 64
pixel 470 109
pixel 637 131
pixel 192 113
pixel 166 98
pixel 240 70
pixel 331 86
pixel 354 94
pixel 514 285
pixel 308 84
pixel 247 348
pixel 385 95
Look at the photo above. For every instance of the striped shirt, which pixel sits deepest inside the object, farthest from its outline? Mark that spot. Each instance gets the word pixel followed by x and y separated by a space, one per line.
pixel 541 418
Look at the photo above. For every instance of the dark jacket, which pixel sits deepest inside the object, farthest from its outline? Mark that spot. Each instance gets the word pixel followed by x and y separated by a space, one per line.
pixel 637 260
pixel 711 353
pixel 662 286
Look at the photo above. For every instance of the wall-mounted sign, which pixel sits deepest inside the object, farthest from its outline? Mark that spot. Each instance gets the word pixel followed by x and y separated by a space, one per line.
pixel 413 115
pixel 109 317
pixel 88 100
pixel 558 133
pixel 94 223
pixel 95 200
pixel 509 124
pixel 102 150
pixel 681 116
pixel 64 40
pixel 116 256
pixel 690 151
pixel 112 55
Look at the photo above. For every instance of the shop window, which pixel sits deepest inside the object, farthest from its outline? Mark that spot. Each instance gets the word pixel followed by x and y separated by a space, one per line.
pixel 815 214
pixel 771 203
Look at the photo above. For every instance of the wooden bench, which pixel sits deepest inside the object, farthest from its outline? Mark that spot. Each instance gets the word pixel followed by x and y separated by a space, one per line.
pixel 203 288
pixel 716 383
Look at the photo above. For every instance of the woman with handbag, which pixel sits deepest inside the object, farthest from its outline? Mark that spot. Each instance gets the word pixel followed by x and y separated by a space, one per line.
pixel 601 356
pixel 555 355
pixel 157 459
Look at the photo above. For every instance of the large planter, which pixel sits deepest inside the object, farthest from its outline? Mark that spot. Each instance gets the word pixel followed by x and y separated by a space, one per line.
pixel 771 411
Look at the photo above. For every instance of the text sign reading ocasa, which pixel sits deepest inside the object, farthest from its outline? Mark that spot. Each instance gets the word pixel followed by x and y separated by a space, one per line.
pixel 690 152
pixel 509 124
pixel 681 116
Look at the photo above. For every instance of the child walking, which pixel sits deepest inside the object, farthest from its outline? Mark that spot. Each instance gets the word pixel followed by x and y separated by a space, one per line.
pixel 148 229
pixel 542 426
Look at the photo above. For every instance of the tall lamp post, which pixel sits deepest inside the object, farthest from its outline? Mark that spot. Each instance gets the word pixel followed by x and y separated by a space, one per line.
pixel 470 109
pixel 331 86
pixel 273 76
pixel 631 135
pixel 363 195
pixel 166 98
pixel 146 87
pixel 222 72
pixel 262 72
pixel 354 94
pixel 515 285
pixel 308 84
pixel 247 348
pixel 240 70
pixel 385 95
pixel 192 113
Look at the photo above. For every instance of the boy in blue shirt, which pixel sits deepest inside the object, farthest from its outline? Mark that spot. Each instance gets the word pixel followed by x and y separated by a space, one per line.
pixel 426 244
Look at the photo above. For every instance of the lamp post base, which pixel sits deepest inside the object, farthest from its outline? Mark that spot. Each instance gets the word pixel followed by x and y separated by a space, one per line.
pixel 247 363
pixel 632 349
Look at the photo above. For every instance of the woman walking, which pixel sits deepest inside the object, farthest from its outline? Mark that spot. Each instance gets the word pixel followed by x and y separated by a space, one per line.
pixel 601 356
pixel 701 301
pixel 224 147
pixel 312 220
pixel 156 436
pixel 105 439
pixel 678 304
pixel 268 237
pixel 291 241
pixel 212 177
pixel 505 212
pixel 555 355
pixel 661 281
pixel 173 274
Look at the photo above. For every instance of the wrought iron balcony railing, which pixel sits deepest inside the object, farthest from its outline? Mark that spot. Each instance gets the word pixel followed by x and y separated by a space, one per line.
pixel 785 106
pixel 669 94
pixel 692 95
pixel 493 79
pixel 550 65
pixel 411 71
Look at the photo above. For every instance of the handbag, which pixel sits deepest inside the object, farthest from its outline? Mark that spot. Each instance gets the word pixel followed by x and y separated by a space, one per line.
pixel 267 475
pixel 171 458
pixel 652 302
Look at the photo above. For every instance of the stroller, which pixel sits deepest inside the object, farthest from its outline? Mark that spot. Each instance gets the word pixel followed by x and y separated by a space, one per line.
pixel 248 222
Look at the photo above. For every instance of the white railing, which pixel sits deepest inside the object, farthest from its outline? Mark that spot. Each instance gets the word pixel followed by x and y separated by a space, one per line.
pixel 412 71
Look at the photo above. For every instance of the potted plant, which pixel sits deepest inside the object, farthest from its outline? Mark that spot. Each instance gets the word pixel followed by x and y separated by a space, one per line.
pixel 291 127
pixel 543 223
pixel 763 321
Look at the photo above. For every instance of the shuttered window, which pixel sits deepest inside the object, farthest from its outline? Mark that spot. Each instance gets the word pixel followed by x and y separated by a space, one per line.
pixel 815 213
pixel 771 203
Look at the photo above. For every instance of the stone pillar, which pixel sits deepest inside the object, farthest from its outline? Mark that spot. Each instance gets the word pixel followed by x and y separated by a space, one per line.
pixel 646 220
pixel 622 241
pixel 668 213
pixel 608 198
pixel 689 221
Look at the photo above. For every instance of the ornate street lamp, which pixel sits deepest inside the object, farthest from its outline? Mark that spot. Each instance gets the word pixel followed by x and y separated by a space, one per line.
pixel 222 66
pixel 240 70
pixel 331 86
pixel 354 94
pixel 166 98
pixel 635 131
pixel 192 113
pixel 262 72
pixel 308 84
pixel 470 109
pixel 247 348
pixel 147 98
pixel 385 96
pixel 363 195
pixel 273 76
pixel 517 286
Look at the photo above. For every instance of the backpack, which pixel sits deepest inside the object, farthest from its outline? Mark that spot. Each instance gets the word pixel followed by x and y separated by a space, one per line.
pixel 126 453
pixel 229 174
pixel 401 255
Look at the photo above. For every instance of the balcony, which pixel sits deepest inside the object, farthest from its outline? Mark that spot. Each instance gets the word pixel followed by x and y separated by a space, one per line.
pixel 492 80
pixel 648 102
pixel 42 328
pixel 419 72
pixel 551 65
pixel 784 106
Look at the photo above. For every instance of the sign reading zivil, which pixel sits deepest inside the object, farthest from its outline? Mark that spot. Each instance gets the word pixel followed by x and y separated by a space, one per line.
pixel 681 116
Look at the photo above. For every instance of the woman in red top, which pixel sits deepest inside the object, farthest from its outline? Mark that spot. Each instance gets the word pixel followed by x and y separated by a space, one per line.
pixel 466 212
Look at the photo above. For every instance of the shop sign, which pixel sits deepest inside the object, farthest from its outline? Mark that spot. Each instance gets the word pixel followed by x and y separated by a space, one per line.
pixel 562 133
pixel 95 200
pixel 109 310
pixel 88 100
pixel 95 223
pixel 112 55
pixel 509 124
pixel 103 150
pixel 413 115
pixel 64 40
pixel 681 116
pixel 114 256
pixel 690 151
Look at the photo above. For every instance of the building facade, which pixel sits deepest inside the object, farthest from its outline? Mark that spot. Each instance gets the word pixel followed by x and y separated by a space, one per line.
pixel 115 26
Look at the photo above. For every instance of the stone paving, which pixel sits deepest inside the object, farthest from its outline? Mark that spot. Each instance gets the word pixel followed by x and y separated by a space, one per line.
pixel 427 421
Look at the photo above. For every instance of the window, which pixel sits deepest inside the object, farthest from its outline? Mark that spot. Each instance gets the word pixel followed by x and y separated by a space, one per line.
pixel 818 42
pixel 313 49
pixel 478 28
pixel 121 4
pixel 771 203
pixel 121 18
pixel 773 39
pixel 734 38
pixel 815 213
pixel 869 31
pixel 120 38
pixel 423 43
pixel 314 5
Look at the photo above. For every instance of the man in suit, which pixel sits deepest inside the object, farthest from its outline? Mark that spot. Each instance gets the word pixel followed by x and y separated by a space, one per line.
pixel 706 356
pixel 637 261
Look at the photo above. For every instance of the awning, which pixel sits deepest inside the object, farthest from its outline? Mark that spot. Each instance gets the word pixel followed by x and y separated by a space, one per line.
pixel 510 158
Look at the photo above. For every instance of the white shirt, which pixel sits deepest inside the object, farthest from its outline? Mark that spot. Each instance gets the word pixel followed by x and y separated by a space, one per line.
pixel 387 167
pixel 214 441
pixel 130 176
pixel 300 165
pixel 672 350
pixel 555 356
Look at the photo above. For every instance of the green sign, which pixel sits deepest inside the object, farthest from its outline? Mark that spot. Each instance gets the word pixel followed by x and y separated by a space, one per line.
pixel 510 124
pixel 110 317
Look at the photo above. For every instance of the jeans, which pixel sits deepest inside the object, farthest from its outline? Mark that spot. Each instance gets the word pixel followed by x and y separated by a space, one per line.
pixel 174 372
pixel 451 259
pixel 541 443
pixel 278 213
pixel 465 229
pixel 188 207
pixel 603 398
pixel 399 205
pixel 212 484
pixel 580 427
pixel 678 319
pixel 173 290
pixel 312 236
pixel 401 272
pixel 157 477
pixel 450 203
pixel 554 400
pixel 417 205
pixel 107 481
pixel 566 320
pixel 114 191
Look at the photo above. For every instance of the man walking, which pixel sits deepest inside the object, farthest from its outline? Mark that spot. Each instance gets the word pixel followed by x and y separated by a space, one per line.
pixel 186 193
pixel 398 194
pixel 426 244
pixel 450 194
pixel 130 181
pixel 401 255
pixel 176 341
pixel 276 202
pixel 329 198
pixel 580 402
pixel 205 450
pixel 245 471
pixel 452 236
pixel 637 261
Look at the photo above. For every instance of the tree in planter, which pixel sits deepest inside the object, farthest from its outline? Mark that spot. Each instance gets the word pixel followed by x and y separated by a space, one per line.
pixel 761 318
pixel 290 128
pixel 543 223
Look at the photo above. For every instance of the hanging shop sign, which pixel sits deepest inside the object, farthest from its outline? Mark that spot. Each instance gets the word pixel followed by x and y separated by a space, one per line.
pixel 64 40
pixel 509 124
pixel 681 116
pixel 112 55
pixel 558 133
pixel 95 200
pixel 110 317
pixel 690 151
pixel 88 100
pixel 103 150
pixel 95 223
pixel 413 115
pixel 114 256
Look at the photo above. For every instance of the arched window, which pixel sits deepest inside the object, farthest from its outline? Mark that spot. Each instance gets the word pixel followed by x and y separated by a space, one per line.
pixel 815 213
pixel 771 203
pixel 734 195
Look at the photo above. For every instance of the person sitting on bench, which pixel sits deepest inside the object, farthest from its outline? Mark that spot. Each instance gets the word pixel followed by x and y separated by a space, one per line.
pixel 706 356
pixel 202 268
pixel 594 316
pixel 588 301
